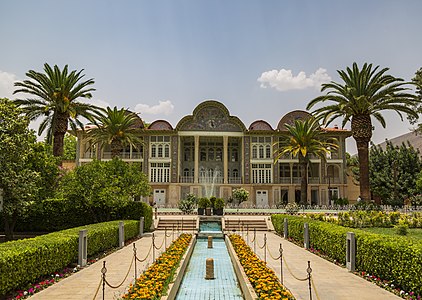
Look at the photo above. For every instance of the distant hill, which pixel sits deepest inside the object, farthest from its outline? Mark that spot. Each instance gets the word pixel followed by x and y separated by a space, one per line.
pixel 414 139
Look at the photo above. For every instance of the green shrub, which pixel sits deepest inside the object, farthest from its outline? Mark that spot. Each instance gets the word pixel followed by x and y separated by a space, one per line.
pixel 396 259
pixel 219 203
pixel 24 261
pixel 401 229
pixel 59 214
pixel 204 202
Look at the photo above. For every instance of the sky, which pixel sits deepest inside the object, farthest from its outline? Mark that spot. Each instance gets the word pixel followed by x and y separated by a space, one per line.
pixel 261 59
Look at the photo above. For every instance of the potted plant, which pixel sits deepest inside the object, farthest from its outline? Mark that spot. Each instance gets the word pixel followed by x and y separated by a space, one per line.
pixel 208 207
pixel 218 206
pixel 202 205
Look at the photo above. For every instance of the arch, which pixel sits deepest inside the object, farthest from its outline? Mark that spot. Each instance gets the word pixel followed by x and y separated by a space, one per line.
pixel 260 125
pixel 211 115
pixel 160 125
pixel 290 117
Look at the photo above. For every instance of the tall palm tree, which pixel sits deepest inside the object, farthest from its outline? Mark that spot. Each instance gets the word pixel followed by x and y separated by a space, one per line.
pixel 305 138
pixel 56 100
pixel 364 94
pixel 116 128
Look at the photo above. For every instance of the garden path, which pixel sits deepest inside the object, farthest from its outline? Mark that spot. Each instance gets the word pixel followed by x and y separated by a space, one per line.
pixel 83 284
pixel 332 282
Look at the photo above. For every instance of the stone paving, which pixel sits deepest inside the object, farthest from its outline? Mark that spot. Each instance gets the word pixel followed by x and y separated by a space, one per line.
pixel 83 284
pixel 332 282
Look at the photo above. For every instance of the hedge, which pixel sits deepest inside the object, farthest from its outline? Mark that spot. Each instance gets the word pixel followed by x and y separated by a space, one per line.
pixel 396 259
pixel 59 214
pixel 24 261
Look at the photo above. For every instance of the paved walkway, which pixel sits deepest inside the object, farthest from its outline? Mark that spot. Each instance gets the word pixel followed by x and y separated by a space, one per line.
pixel 83 284
pixel 332 282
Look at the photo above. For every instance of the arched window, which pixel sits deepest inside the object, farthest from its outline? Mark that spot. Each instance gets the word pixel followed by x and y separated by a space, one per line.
pixel 235 155
pixel 160 150
pixel 261 151
pixel 154 151
pixel 186 172
pixel 268 151
pixel 203 154
pixel 210 154
pixel 218 154
pixel 235 173
pixel 166 151
pixel 254 152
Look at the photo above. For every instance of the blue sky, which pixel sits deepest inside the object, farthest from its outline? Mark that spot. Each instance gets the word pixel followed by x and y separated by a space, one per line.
pixel 162 58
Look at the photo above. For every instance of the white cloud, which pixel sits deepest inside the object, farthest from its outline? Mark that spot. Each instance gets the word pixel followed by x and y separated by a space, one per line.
pixel 6 84
pixel 163 108
pixel 284 80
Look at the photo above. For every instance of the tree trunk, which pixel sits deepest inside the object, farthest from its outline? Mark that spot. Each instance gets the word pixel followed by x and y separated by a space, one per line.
pixel 60 129
pixel 362 133
pixel 116 148
pixel 363 154
pixel 303 181
pixel 9 226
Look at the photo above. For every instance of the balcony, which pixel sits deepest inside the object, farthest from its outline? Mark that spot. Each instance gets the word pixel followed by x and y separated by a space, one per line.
pixel 124 155
pixel 235 180
pixel 186 179
pixel 211 180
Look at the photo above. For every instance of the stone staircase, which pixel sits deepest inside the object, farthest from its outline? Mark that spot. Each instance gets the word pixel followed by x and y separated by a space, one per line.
pixel 187 224
pixel 231 224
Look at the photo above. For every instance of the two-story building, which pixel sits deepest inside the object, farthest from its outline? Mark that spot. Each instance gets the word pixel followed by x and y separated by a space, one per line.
pixel 212 152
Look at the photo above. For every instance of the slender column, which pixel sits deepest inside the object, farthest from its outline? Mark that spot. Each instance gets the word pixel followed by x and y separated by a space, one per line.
pixel 196 175
pixel 225 158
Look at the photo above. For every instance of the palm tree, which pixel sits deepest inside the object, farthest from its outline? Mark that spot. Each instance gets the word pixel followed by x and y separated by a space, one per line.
pixel 365 93
pixel 118 128
pixel 56 100
pixel 305 138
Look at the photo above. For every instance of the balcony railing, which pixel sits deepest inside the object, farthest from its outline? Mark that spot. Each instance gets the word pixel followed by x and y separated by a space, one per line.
pixel 186 179
pixel 125 155
pixel 210 180
pixel 235 180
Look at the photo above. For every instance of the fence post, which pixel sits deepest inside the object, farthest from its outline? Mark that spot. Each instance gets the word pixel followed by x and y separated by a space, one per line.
pixel 286 229
pixel 153 247
pixel 104 271
pixel 265 248
pixel 309 271
pixel 306 236
pixel 141 226
pixel 254 240
pixel 281 263
pixel 134 254
pixel 121 234
pixel 82 249
pixel 350 251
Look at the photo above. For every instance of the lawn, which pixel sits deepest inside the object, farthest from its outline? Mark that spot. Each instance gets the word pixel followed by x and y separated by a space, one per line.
pixel 413 233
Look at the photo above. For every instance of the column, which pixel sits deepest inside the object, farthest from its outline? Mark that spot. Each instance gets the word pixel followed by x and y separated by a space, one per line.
pixel 196 175
pixel 225 158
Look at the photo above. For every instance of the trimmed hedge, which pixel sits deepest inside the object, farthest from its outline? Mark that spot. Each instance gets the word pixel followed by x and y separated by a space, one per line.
pixel 396 259
pixel 24 261
pixel 59 214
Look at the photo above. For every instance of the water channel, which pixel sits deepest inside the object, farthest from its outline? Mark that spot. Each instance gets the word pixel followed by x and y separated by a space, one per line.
pixel 194 285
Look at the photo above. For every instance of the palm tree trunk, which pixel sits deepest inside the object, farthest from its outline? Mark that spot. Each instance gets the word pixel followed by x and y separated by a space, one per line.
pixel 116 148
pixel 59 132
pixel 363 154
pixel 303 180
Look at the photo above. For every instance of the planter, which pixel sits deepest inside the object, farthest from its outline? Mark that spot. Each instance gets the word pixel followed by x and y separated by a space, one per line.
pixel 218 211
pixel 201 211
pixel 208 211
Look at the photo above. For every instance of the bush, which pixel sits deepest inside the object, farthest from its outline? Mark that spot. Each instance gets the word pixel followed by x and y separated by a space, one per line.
pixel 395 259
pixel 204 203
pixel 59 214
pixel 219 203
pixel 292 208
pixel 186 206
pixel 401 229
pixel 24 261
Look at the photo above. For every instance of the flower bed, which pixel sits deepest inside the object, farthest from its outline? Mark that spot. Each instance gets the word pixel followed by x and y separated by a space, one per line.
pixel 153 283
pixel 263 279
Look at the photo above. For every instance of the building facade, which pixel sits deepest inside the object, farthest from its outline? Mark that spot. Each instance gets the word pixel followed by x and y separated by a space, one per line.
pixel 211 152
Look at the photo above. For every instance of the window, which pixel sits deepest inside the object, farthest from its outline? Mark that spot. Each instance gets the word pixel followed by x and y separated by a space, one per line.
pixel 160 172
pixel 261 173
pixel 261 147
pixel 160 147
pixel 235 173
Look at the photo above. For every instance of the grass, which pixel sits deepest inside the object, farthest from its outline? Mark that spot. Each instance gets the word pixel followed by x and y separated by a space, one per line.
pixel 412 233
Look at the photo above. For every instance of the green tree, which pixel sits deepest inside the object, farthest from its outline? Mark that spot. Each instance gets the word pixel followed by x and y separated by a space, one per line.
pixel 70 144
pixel 305 138
pixel 240 195
pixel 393 172
pixel 364 94
pixel 103 184
pixel 117 129
pixel 56 100
pixel 417 81
pixel 17 181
